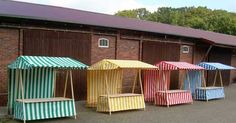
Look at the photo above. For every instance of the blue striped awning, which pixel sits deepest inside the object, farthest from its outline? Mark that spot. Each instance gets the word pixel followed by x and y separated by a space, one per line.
pixel 27 62
pixel 215 66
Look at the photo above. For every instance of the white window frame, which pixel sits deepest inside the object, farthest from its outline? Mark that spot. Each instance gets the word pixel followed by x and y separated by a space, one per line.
pixel 103 39
pixel 185 51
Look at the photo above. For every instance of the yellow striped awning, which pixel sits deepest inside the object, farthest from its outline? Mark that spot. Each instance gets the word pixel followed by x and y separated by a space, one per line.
pixel 107 64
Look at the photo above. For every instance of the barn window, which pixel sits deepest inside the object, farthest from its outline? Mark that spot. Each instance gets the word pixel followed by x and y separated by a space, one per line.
pixel 185 49
pixel 103 42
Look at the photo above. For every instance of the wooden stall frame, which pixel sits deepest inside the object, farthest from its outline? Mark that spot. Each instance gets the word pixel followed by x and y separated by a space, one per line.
pixel 22 92
pixel 19 75
pixel 137 76
pixel 218 72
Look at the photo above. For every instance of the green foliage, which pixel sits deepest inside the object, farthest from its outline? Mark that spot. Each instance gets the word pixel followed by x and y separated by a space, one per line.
pixel 141 13
pixel 195 17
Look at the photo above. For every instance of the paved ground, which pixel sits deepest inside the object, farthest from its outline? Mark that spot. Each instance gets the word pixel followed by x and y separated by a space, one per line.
pixel 217 111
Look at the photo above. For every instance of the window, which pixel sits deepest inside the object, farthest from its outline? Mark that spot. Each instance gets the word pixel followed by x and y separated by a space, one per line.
pixel 103 42
pixel 185 49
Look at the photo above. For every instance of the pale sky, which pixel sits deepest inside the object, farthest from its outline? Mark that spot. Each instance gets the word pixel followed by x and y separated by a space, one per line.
pixel 112 6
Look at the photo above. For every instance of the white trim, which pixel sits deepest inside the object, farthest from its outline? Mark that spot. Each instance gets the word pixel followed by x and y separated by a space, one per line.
pixel 185 51
pixel 103 39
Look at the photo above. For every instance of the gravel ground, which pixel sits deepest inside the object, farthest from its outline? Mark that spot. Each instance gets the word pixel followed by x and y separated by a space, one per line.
pixel 216 111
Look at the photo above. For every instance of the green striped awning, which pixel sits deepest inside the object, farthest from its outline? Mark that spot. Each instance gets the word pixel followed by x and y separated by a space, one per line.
pixel 27 62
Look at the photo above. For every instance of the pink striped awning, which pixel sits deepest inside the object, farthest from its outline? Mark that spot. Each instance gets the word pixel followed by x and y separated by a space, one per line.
pixel 169 65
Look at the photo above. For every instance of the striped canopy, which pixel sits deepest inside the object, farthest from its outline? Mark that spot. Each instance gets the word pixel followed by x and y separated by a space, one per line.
pixel 107 64
pixel 28 62
pixel 168 65
pixel 215 66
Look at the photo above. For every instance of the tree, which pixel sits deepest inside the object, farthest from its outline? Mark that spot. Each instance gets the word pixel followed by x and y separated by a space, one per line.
pixel 194 17
pixel 141 13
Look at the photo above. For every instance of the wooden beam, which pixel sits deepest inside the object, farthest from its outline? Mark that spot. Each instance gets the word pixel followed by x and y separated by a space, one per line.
pixel 215 78
pixel 203 78
pixel 72 90
pixel 140 81
pixel 108 94
pixel 208 51
pixel 166 41
pixel 42 28
pixel 65 88
pixel 135 80
pixel 189 84
pixel 141 48
pixel 221 81
pixel 22 94
pixel 54 81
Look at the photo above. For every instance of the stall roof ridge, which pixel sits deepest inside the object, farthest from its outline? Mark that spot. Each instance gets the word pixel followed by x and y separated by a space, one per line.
pixel 67 15
pixel 28 62
pixel 215 66
pixel 107 64
pixel 175 65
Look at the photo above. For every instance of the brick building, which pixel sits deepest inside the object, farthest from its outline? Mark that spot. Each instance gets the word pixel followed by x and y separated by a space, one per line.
pixel 32 29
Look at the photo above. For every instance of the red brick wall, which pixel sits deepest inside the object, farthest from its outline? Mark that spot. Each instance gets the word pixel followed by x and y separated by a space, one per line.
pixel 118 49
pixel 129 50
pixel 8 52
pixel 185 57
pixel 98 53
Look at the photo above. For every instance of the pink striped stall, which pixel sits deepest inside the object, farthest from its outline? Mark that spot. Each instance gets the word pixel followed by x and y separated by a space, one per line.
pixel 173 97
pixel 157 83
pixel 151 84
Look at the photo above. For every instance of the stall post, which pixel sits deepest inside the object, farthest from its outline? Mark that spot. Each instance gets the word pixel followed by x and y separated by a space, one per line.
pixel 72 90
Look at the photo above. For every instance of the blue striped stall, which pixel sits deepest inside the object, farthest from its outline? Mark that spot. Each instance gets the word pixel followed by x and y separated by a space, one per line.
pixel 215 66
pixel 209 93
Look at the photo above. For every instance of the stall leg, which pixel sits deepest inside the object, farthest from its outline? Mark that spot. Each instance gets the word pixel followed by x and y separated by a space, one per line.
pixel 72 91
pixel 22 94
pixel 109 106
pixel 110 112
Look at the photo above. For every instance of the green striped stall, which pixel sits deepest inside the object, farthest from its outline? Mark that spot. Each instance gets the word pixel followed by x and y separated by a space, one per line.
pixel 45 109
pixel 38 83
pixel 31 87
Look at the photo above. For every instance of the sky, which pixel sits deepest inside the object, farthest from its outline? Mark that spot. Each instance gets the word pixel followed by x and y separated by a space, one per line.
pixel 112 6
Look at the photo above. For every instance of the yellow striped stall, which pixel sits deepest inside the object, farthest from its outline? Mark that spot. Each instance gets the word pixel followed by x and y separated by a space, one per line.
pixel 104 85
pixel 96 84
pixel 120 102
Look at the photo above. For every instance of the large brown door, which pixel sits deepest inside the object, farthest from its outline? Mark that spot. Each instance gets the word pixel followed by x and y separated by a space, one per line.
pixel 57 43
pixel 221 55
pixel 154 52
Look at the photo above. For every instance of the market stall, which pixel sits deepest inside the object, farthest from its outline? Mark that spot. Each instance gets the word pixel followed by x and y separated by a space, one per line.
pixel 196 80
pixel 203 92
pixel 150 78
pixel 104 85
pixel 32 85
pixel 165 96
